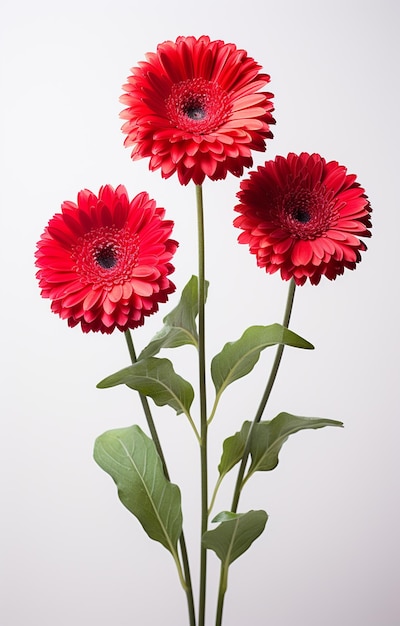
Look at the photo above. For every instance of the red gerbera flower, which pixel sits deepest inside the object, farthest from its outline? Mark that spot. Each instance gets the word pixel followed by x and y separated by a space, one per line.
pixel 105 261
pixel 303 216
pixel 194 108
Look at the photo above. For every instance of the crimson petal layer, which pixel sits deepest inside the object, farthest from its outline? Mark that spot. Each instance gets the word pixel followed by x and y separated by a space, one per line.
pixel 104 261
pixel 192 94
pixel 304 217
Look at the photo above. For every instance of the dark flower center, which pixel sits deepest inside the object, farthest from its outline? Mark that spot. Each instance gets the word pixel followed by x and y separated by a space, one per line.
pixel 106 257
pixel 305 213
pixel 194 110
pixel 198 106
pixel 301 215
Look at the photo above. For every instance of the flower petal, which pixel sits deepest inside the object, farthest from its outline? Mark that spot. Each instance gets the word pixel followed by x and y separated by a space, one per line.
pixel 105 261
pixel 190 100
pixel 304 217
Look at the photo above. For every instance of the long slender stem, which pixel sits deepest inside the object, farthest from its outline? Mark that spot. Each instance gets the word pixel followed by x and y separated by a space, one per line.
pixel 223 582
pixel 203 403
pixel 257 418
pixel 156 440
pixel 264 399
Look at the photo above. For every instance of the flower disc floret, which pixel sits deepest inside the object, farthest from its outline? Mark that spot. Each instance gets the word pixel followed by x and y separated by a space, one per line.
pixel 303 216
pixel 198 106
pixel 195 108
pixel 104 261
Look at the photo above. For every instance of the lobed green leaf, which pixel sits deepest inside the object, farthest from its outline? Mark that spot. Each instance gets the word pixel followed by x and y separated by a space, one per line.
pixel 268 438
pixel 179 325
pixel 233 449
pixel 157 379
pixel 239 357
pixel 235 534
pixel 131 459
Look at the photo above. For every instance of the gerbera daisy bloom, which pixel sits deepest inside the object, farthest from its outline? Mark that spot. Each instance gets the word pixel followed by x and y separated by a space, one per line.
pixel 194 107
pixel 104 261
pixel 303 216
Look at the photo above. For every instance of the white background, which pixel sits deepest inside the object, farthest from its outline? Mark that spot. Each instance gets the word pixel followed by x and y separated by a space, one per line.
pixel 71 555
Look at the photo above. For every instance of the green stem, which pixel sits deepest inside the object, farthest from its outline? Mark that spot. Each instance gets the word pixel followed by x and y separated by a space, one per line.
pixel 203 404
pixel 153 431
pixel 264 399
pixel 257 418
pixel 214 495
pixel 223 583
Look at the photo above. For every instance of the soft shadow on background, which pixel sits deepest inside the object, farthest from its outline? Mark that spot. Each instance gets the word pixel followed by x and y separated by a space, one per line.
pixel 70 553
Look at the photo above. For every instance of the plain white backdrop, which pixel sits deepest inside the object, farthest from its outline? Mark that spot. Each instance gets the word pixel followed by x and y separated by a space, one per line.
pixel 71 555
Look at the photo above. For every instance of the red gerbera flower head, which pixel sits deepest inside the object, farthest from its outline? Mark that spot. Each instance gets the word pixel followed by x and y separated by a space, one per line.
pixel 194 107
pixel 303 216
pixel 104 262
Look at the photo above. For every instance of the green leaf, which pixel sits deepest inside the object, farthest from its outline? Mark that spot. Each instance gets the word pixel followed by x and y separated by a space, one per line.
pixel 225 516
pixel 179 325
pixel 233 449
pixel 268 438
pixel 235 534
pixel 239 357
pixel 157 379
pixel 131 459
